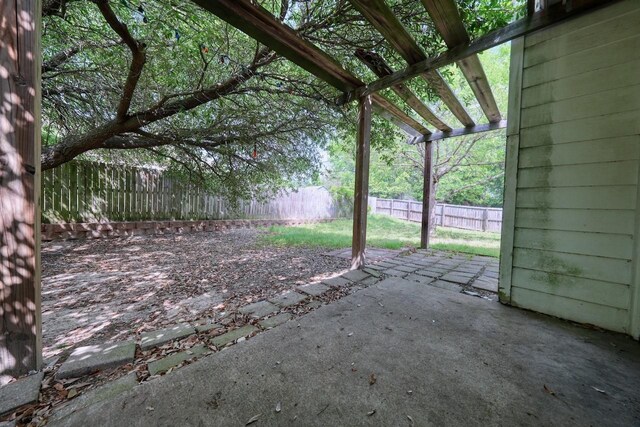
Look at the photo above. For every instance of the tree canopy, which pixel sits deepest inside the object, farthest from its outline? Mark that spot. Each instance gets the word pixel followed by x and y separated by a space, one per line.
pixel 164 82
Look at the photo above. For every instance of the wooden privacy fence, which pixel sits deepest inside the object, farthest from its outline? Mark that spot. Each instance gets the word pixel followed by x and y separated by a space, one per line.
pixel 467 217
pixel 95 192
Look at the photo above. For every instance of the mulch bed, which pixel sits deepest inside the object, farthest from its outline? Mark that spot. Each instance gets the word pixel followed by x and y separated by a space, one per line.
pixel 96 291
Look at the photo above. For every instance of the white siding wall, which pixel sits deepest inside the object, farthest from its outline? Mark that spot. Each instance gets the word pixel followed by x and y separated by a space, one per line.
pixel 571 202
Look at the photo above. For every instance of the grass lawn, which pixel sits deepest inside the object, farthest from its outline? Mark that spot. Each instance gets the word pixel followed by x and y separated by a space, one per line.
pixel 384 232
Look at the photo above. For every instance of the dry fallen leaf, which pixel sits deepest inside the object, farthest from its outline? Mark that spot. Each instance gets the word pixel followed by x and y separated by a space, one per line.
pixel 372 379
pixel 548 390
pixel 253 419
pixel 72 393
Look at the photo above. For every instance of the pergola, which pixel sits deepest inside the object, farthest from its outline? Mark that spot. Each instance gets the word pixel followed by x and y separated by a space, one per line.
pixel 252 19
pixel 20 327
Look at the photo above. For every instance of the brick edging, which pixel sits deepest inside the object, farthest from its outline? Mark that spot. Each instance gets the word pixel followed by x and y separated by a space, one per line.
pixel 100 230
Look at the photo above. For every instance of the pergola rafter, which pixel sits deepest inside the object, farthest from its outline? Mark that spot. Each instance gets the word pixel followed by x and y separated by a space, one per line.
pixel 382 18
pixel 446 18
pixel 380 68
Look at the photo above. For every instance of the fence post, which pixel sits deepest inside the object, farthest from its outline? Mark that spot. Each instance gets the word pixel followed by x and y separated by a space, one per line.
pixel 392 209
pixel 485 219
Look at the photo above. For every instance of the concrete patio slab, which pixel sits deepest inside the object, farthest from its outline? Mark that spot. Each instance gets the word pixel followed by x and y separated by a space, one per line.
pixel 162 365
pixel 465 360
pixel 109 390
pixel 288 299
pixel 313 289
pixel 259 309
pixel 276 320
pixel 88 359
pixel 20 392
pixel 446 285
pixel 229 337
pixel 155 338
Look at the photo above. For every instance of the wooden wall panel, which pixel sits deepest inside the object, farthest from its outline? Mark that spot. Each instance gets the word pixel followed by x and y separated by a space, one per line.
pixel 577 213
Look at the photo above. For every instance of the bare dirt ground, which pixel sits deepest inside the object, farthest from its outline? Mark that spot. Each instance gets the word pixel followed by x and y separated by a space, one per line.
pixel 96 291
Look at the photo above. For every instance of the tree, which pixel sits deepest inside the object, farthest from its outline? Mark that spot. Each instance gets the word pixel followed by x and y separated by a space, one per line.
pixel 165 82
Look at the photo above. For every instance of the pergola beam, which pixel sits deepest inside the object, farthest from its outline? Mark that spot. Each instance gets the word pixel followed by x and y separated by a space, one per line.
pixel 460 132
pixel 380 68
pixel 510 32
pixel 382 18
pixel 255 21
pixel 446 18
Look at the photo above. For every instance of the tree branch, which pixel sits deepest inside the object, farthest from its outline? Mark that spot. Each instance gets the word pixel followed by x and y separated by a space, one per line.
pixel 138 57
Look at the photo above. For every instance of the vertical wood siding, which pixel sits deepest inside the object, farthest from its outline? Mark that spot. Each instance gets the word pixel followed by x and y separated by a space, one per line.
pixel 572 248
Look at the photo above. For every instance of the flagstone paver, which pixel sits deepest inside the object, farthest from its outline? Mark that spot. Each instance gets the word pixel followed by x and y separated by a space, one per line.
pixel 207 327
pixel 337 282
pixel 429 273
pixel 407 268
pixel 370 281
pixel 417 278
pixel 355 275
pixel 231 336
pixel 486 284
pixel 18 393
pixel 374 273
pixel 88 359
pixel 162 365
pixel 456 277
pixel 155 338
pixel 313 289
pixel 259 309
pixel 288 299
pixel 394 272
pixel 276 320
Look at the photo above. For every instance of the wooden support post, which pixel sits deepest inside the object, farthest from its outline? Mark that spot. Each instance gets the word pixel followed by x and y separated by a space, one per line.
pixel 20 321
pixel 426 195
pixel 361 192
